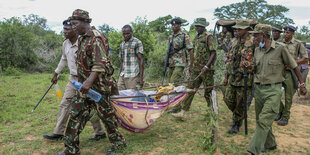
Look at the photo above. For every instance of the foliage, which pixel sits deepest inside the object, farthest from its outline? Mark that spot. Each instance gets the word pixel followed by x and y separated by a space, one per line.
pixel 115 39
pixel 17 44
pixel 156 61
pixel 255 9
pixel 142 31
pixel 12 71
pixel 106 29
pixel 303 33
pixel 27 42
pixel 162 25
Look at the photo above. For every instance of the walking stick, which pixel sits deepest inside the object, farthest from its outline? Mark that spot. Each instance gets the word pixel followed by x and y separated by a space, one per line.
pixel 43 96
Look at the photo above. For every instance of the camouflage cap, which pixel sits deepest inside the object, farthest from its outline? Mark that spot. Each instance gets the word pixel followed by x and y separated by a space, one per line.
pixel 80 14
pixel 289 28
pixel 201 22
pixel 262 28
pixel 176 21
pixel 277 28
pixel 242 24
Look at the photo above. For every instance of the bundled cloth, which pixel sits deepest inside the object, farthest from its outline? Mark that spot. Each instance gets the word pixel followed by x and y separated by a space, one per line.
pixel 136 114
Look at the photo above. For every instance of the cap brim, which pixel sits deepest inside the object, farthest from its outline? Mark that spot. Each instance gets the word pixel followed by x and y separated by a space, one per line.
pixel 199 25
pixel 240 27
pixel 254 32
pixel 274 29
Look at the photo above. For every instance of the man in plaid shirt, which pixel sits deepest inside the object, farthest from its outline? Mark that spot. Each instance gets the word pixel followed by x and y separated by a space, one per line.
pixel 131 54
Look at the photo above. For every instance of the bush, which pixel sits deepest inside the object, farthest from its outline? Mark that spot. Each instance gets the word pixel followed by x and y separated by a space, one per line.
pixel 12 71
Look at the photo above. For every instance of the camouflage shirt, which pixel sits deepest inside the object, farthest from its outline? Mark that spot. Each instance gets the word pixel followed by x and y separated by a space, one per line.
pixel 224 38
pixel 203 45
pixel 240 51
pixel 94 59
pixel 180 58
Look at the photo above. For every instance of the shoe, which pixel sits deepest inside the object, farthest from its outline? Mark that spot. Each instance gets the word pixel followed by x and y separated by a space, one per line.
pixel 173 111
pixel 278 117
pixel 283 122
pixel 62 153
pixel 181 115
pixel 235 128
pixel 111 150
pixel 98 137
pixel 115 150
pixel 269 149
pixel 53 136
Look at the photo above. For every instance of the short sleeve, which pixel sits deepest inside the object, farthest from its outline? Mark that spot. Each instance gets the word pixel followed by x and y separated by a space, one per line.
pixel 287 58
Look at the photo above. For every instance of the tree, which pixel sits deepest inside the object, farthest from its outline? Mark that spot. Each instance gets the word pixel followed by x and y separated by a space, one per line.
pixel 17 44
pixel 255 9
pixel 105 28
pixel 142 31
pixel 163 24
pixel 303 33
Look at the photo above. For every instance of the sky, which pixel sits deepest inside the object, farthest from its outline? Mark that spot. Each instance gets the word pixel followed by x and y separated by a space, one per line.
pixel 117 13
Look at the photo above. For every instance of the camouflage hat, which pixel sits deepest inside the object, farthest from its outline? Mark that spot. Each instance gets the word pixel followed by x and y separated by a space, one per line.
pixel 242 24
pixel 262 28
pixel 80 14
pixel 289 28
pixel 201 22
pixel 176 21
pixel 277 28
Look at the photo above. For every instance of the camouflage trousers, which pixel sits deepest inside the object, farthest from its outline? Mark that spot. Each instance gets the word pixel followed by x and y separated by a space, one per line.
pixel 80 112
pixel 207 80
pixel 176 74
pixel 234 101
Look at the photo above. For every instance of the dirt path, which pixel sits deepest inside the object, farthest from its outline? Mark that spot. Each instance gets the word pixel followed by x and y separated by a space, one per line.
pixel 295 137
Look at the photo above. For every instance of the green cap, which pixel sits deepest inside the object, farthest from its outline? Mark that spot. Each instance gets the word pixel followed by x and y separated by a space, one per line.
pixel 242 24
pixel 262 28
pixel 277 28
pixel 80 14
pixel 201 22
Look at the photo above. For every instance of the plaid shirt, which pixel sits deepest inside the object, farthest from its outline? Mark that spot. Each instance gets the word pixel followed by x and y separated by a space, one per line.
pixel 128 53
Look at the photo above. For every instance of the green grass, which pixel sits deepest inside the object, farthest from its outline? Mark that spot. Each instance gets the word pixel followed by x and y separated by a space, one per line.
pixel 21 131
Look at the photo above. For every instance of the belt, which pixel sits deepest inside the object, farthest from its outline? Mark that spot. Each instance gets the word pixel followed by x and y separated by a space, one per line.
pixel 268 84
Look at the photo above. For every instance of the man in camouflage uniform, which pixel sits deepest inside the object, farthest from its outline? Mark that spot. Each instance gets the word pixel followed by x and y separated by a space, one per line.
pixel 94 71
pixel 181 47
pixel 204 57
pixel 296 48
pixel 69 48
pixel 224 39
pixel 270 59
pixel 239 57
